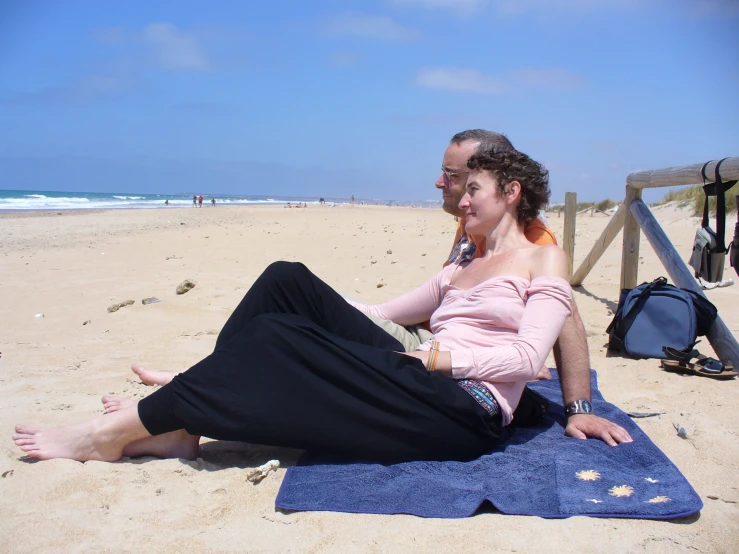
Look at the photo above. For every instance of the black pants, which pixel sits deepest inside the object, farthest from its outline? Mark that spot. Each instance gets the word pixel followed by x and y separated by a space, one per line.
pixel 297 366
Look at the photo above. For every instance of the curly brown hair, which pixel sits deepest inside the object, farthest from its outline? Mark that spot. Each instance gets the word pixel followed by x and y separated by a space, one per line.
pixel 511 165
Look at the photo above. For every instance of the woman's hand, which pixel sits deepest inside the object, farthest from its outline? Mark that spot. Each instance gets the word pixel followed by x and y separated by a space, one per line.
pixel 443 360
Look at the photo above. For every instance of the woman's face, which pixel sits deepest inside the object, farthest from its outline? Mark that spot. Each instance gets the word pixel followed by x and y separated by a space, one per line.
pixel 482 203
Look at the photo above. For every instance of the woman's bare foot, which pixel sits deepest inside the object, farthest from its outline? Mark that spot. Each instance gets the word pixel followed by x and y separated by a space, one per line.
pixel 177 444
pixel 150 377
pixel 101 438
pixel 114 403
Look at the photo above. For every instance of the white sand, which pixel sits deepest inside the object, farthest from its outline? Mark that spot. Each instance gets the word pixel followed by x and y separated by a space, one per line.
pixel 54 369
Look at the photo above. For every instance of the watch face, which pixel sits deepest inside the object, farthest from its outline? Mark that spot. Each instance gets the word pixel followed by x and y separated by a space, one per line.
pixel 580 407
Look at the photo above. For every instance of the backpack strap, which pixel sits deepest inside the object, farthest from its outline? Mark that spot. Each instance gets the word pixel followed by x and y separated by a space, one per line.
pixel 705 312
pixel 707 191
pixel 622 327
pixel 721 188
pixel 717 189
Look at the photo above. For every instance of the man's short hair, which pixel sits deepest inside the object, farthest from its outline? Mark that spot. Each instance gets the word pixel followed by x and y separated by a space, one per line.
pixel 487 140
pixel 511 165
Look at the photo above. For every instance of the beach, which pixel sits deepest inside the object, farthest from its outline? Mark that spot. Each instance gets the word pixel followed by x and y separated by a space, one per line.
pixel 62 350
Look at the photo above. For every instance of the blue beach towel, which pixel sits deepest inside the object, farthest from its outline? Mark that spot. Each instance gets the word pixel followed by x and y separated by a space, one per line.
pixel 537 472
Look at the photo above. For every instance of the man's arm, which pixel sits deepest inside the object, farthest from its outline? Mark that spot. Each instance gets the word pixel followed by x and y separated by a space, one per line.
pixel 573 365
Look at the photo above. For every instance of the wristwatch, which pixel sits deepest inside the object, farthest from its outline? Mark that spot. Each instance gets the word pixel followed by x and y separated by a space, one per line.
pixel 579 407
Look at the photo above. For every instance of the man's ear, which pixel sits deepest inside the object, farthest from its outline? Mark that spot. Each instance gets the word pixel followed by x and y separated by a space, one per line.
pixel 513 192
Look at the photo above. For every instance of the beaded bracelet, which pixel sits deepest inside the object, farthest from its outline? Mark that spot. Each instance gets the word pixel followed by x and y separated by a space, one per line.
pixel 433 355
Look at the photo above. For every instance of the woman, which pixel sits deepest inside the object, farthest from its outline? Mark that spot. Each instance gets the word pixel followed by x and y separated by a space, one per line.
pixel 297 366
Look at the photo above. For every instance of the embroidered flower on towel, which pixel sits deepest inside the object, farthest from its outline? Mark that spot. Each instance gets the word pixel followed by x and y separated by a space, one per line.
pixel 621 490
pixel 588 475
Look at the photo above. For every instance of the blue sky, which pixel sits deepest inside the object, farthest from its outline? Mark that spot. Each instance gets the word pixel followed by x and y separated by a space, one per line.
pixel 334 98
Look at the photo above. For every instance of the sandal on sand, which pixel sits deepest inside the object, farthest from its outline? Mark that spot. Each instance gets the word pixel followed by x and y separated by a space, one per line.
pixel 694 362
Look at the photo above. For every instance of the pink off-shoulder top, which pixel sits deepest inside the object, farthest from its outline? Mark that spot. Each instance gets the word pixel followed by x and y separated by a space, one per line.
pixel 499 332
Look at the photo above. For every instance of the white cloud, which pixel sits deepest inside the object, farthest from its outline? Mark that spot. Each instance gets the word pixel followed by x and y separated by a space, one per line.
pixel 518 7
pixel 134 53
pixel 175 49
pixel 472 80
pixel 110 35
pixel 86 89
pixel 344 59
pixel 368 26
pixel 549 8
pixel 723 8
pixel 459 79
pixel 165 46
pixel 555 78
pixel 460 6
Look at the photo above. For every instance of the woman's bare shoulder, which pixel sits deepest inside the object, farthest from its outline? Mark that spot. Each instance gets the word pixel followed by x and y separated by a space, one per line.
pixel 548 261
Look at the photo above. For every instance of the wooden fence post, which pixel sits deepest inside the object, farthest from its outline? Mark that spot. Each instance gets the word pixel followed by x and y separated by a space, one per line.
pixel 568 240
pixel 630 252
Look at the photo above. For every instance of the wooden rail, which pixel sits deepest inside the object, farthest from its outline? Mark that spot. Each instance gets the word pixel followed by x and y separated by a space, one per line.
pixel 685 175
pixel 606 238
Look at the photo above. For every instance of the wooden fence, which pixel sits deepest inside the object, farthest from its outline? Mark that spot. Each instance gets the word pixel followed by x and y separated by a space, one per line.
pixel 634 216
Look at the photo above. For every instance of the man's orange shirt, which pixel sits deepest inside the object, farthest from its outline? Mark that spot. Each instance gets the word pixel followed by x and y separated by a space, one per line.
pixel 536 232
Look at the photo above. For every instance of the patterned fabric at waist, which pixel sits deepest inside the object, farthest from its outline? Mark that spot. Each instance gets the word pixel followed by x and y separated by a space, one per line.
pixel 481 394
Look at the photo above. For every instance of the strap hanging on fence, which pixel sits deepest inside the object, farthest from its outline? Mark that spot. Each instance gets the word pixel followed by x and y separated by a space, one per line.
pixel 734 246
pixel 717 189
pixel 709 246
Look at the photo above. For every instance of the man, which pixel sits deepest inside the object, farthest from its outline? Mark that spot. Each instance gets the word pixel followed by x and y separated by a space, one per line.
pixel 571 350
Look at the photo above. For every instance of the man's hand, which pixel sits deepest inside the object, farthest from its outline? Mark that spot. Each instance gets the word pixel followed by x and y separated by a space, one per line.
pixel 583 426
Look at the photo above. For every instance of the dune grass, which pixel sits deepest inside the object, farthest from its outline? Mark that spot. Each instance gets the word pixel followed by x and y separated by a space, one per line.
pixel 693 196
pixel 603 205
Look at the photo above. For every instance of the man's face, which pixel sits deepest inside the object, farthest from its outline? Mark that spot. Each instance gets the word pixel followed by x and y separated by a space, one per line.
pixel 453 178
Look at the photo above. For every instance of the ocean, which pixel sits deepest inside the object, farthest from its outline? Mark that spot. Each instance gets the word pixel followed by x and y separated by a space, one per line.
pixel 38 200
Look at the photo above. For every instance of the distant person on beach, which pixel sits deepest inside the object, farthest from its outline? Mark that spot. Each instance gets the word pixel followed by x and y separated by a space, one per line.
pixel 298 366
pixel 213 202
pixel 352 199
pixel 166 202
pixel 200 201
pixel 195 201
